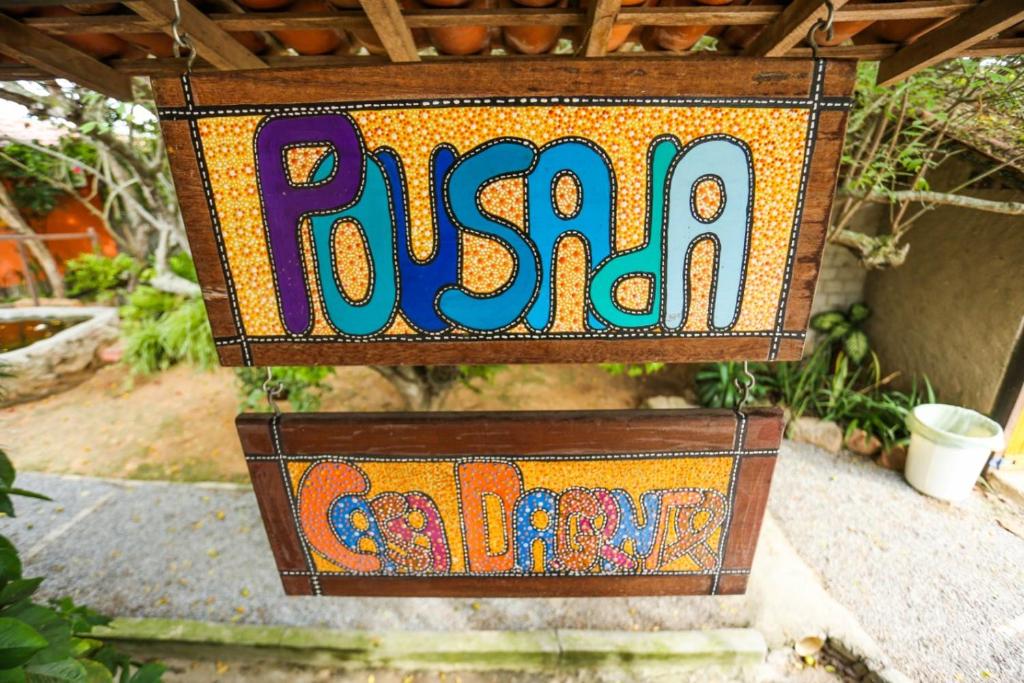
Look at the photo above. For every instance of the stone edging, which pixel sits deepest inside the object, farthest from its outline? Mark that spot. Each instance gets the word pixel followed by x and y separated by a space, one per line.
pixel 454 650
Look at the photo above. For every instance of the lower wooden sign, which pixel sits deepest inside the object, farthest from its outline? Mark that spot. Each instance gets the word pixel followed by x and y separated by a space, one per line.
pixel 525 504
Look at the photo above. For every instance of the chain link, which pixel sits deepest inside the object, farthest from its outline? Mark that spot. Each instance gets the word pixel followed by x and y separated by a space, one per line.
pixel 272 389
pixel 822 25
pixel 182 43
pixel 744 386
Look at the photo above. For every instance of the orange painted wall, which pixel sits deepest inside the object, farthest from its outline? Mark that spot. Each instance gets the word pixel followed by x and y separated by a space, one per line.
pixel 69 215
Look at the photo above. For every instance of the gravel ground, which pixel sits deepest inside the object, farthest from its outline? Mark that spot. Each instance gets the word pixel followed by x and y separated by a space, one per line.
pixel 185 551
pixel 937 586
pixel 940 587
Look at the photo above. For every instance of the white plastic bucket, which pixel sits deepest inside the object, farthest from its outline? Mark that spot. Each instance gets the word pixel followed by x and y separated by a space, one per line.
pixel 949 446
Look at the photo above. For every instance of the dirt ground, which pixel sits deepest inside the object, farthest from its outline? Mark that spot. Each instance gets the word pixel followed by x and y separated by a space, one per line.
pixel 179 424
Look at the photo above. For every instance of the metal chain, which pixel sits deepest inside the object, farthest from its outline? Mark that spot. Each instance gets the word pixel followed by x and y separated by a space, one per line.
pixel 182 43
pixel 272 389
pixel 822 25
pixel 744 386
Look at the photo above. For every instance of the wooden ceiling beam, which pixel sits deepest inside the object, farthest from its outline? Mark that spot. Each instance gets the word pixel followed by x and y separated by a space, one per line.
pixel 393 32
pixel 701 15
pixel 170 67
pixel 792 26
pixel 211 42
pixel 34 48
pixel 950 40
pixel 601 15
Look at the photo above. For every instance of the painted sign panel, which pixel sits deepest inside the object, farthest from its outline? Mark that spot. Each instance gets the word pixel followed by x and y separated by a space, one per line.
pixel 508 216
pixel 386 504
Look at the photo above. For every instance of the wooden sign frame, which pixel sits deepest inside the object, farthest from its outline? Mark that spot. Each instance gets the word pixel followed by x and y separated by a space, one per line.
pixel 210 123
pixel 303 466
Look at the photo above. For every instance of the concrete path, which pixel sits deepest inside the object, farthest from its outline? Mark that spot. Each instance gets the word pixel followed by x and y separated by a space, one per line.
pixel 935 588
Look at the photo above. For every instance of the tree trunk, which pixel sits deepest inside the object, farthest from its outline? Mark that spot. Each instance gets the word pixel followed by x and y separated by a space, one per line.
pixel 423 387
pixel 13 219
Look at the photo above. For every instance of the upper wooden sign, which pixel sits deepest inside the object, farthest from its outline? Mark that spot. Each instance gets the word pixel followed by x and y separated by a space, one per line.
pixel 459 212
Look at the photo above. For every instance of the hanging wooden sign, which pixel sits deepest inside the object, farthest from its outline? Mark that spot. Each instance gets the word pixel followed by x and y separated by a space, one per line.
pixel 576 503
pixel 476 211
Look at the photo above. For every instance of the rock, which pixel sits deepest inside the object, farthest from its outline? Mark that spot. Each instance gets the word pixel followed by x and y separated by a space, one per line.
pixel 112 353
pixel 60 361
pixel 666 403
pixel 821 433
pixel 862 443
pixel 894 458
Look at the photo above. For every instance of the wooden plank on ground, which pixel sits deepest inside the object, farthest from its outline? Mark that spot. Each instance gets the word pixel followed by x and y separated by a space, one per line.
pixel 386 17
pixel 984 21
pixel 790 28
pixel 35 48
pixel 211 42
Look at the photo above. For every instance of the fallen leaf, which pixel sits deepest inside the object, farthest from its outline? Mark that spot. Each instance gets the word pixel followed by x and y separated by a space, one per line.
pixel 1011 525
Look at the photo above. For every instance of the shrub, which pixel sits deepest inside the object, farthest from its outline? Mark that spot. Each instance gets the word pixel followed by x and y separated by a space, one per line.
pixel 161 330
pixel 854 395
pixel 302 387
pixel 98 278
pixel 717 384
pixel 50 642
pixel 843 330
pixel 632 369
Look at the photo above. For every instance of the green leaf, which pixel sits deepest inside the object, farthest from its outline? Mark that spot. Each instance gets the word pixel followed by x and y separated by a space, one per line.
pixel 25 493
pixel 839 331
pixel 16 675
pixel 6 470
pixel 83 647
pixel 10 563
pixel 823 322
pixel 61 671
pixel 52 626
pixel 856 346
pixel 19 589
pixel 148 673
pixel 18 642
pixel 858 313
pixel 6 504
pixel 96 672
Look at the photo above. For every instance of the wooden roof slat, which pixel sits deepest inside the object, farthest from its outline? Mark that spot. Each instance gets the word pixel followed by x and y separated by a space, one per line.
pixel 211 42
pixel 170 66
pixel 601 16
pixel 49 55
pixel 917 9
pixel 393 32
pixel 432 18
pixel 790 28
pixel 985 20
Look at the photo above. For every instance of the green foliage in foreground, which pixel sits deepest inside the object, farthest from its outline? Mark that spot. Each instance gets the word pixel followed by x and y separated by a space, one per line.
pixel 50 643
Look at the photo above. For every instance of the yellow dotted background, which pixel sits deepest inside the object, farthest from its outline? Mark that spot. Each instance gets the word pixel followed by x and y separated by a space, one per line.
pixel 775 137
pixel 436 478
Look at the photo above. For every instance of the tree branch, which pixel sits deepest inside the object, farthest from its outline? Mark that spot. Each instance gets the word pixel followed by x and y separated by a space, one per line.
pixel 940 198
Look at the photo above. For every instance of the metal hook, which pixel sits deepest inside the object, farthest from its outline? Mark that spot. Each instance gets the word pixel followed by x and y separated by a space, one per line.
pixel 272 390
pixel 181 40
pixel 744 385
pixel 822 25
